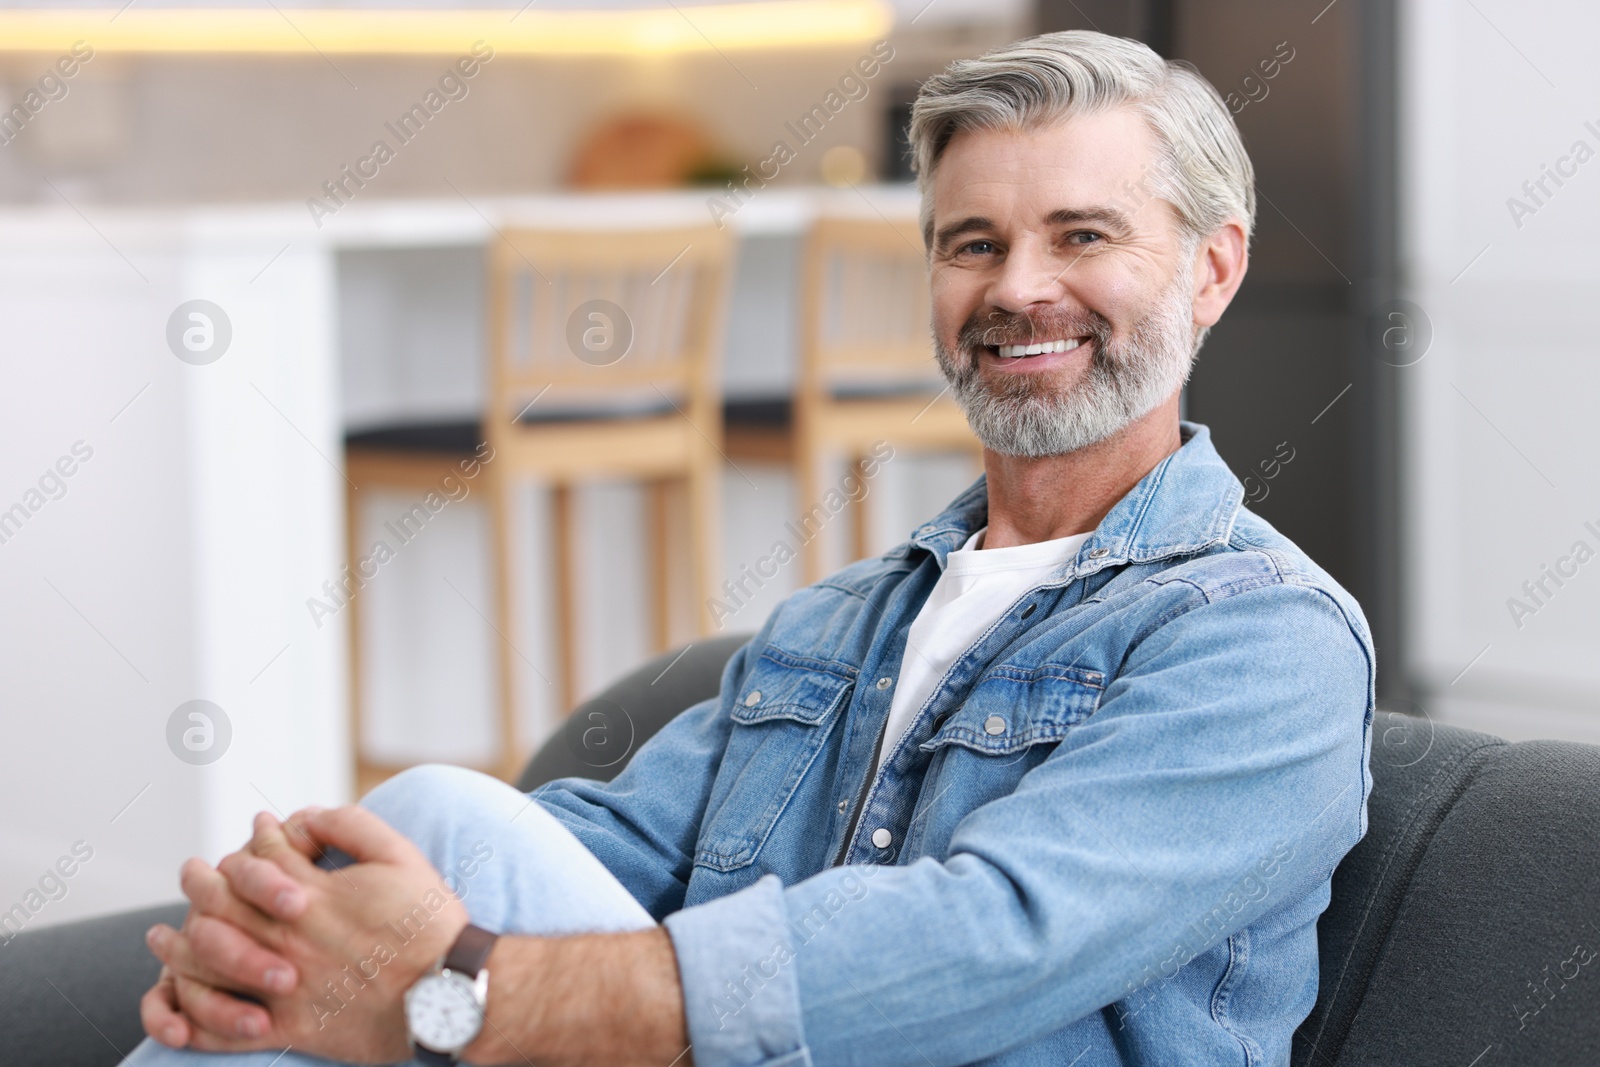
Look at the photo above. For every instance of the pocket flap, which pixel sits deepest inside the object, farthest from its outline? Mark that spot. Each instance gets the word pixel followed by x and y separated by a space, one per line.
pixel 798 688
pixel 1012 708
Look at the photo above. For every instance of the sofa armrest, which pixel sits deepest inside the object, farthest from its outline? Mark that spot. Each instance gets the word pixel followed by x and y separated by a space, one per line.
pixel 69 994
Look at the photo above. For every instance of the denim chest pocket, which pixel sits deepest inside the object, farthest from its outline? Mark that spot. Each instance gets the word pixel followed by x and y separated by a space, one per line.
pixel 1014 708
pixel 782 716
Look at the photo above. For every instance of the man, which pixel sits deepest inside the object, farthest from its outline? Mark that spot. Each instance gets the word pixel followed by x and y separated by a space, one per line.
pixel 1063 779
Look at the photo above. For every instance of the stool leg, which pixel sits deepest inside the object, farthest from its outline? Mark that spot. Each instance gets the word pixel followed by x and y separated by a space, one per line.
pixel 705 532
pixel 502 583
pixel 352 539
pixel 860 521
pixel 656 495
pixel 807 460
pixel 566 600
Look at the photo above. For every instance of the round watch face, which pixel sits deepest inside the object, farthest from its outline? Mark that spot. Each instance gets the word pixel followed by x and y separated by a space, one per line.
pixel 442 1011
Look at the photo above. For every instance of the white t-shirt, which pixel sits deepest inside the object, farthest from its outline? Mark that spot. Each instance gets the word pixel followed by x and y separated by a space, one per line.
pixel 976 588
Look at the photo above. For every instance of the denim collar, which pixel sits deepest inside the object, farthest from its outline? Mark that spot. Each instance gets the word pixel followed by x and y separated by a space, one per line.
pixel 1187 503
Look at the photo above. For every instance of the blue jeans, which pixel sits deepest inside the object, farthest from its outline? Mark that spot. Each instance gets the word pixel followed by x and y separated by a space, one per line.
pixel 528 875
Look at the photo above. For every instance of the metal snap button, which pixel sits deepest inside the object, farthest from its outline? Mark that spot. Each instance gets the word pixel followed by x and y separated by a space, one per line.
pixel 1099 553
pixel 882 838
pixel 994 725
pixel 842 805
pixel 1029 610
pixel 884 683
pixel 753 699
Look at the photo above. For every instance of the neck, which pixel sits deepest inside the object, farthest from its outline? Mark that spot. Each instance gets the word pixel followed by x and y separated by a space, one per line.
pixel 1042 499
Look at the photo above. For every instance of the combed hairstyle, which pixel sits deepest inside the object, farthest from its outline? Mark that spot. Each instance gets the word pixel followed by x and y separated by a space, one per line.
pixel 1203 170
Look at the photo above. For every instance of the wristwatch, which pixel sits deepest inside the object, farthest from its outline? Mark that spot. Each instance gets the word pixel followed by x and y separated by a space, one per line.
pixel 444 1008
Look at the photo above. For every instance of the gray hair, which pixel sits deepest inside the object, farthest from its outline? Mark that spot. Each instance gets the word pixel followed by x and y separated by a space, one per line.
pixel 1203 170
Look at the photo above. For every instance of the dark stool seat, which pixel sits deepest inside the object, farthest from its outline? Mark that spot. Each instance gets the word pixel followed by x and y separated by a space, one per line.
pixel 777 412
pixel 462 437
pixel 465 435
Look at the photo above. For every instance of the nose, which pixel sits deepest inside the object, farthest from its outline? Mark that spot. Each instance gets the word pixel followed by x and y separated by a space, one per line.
pixel 1030 276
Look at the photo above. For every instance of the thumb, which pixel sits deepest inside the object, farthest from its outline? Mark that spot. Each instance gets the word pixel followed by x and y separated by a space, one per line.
pixel 358 832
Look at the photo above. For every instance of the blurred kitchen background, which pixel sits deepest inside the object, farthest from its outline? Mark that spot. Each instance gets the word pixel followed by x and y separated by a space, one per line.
pixel 241 345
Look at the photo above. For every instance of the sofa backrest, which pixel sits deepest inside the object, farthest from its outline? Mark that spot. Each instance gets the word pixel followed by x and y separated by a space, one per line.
pixel 1463 927
pixel 604 731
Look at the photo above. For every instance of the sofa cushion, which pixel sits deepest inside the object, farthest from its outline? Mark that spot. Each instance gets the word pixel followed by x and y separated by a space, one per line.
pixel 69 995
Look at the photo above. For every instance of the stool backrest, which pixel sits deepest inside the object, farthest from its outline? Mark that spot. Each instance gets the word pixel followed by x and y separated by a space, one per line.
pixel 865 309
pixel 605 318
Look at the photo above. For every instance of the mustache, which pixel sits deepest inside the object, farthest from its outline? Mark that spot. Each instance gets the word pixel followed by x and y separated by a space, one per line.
pixel 997 327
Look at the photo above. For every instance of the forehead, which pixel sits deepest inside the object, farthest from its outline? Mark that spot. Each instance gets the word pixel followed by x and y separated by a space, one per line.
pixel 1019 176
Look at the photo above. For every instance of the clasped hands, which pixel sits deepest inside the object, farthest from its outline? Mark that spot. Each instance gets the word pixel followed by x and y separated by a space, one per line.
pixel 278 952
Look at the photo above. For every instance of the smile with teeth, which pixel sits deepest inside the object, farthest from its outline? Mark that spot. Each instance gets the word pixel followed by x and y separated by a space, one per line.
pixel 1037 348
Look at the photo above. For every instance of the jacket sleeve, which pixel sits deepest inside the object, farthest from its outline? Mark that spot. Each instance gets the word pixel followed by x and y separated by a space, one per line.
pixel 1232 742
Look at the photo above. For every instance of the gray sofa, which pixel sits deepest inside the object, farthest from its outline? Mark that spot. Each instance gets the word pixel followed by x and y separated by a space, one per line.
pixel 1464 929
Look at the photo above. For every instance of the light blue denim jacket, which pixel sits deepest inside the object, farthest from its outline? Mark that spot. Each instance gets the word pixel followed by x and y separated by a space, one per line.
pixel 1110 829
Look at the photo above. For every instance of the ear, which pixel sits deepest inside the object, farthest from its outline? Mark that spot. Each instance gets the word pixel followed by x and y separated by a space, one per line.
pixel 1219 265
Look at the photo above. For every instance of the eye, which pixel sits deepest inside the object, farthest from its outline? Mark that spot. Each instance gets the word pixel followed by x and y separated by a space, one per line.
pixel 978 248
pixel 1084 237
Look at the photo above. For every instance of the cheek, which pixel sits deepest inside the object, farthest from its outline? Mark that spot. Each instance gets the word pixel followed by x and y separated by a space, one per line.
pixel 1115 296
pixel 954 297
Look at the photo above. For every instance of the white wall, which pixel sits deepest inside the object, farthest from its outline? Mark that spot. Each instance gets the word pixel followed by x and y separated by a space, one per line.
pixel 161 575
pixel 1501 469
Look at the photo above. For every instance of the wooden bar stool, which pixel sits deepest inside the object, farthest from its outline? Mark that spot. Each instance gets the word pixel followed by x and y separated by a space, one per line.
pixel 604 351
pixel 867 368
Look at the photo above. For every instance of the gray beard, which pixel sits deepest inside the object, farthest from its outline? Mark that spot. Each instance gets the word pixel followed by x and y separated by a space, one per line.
pixel 1032 417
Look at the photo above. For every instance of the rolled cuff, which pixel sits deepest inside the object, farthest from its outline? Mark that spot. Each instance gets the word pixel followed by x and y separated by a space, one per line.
pixel 741 995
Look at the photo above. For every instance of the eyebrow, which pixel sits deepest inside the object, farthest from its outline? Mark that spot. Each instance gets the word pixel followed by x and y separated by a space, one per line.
pixel 1109 217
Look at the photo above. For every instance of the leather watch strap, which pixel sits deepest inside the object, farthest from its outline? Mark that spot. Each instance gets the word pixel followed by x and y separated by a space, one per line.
pixel 471 951
pixel 431 1058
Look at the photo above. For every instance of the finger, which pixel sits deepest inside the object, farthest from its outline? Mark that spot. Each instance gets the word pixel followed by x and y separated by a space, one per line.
pixel 224 951
pixel 159 1014
pixel 271 842
pixel 264 884
pixel 221 1016
pixel 172 948
pixel 210 894
pixel 226 958
pixel 295 830
pixel 362 834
